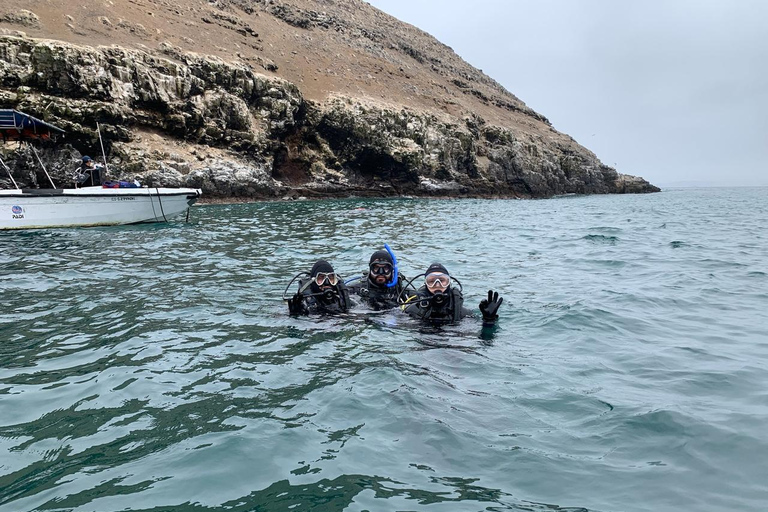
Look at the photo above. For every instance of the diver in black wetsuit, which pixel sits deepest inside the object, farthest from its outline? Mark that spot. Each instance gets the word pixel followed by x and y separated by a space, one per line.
pixel 380 288
pixel 439 303
pixel 322 291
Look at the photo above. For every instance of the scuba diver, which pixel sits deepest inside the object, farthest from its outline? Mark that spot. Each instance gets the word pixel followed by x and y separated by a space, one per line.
pixel 382 285
pixel 439 303
pixel 321 291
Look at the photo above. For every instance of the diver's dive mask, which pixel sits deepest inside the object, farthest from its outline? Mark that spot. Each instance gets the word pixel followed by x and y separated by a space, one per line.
pixel 437 279
pixel 330 277
pixel 381 269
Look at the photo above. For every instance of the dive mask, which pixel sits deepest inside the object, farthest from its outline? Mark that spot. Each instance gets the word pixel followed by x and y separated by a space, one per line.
pixel 381 269
pixel 437 279
pixel 330 277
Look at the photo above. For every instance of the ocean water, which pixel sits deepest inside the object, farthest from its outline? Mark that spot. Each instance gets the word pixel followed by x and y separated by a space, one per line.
pixel 154 368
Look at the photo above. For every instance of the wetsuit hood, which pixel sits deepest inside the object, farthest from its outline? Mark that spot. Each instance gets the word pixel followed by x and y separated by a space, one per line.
pixel 380 257
pixel 320 266
pixel 436 268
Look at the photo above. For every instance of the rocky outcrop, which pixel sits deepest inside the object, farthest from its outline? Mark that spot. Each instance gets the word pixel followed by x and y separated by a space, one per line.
pixel 200 121
pixel 22 17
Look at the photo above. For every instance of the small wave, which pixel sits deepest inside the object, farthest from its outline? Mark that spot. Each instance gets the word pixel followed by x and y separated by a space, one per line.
pixel 606 229
pixel 601 239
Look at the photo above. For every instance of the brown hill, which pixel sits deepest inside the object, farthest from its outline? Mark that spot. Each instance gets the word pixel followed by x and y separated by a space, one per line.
pixel 366 94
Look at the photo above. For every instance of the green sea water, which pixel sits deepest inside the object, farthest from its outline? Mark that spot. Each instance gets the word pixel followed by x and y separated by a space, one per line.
pixel 154 367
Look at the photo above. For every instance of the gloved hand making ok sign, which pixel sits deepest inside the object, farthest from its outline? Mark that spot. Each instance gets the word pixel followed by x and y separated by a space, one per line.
pixel 489 307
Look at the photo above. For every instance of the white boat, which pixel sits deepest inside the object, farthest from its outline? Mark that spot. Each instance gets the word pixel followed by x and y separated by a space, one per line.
pixel 85 206
pixel 91 206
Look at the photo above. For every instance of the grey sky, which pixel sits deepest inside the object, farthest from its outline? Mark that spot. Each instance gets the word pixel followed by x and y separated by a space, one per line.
pixel 671 90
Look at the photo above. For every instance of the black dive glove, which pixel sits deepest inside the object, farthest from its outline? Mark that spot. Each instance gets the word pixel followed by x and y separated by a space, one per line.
pixel 489 307
pixel 296 305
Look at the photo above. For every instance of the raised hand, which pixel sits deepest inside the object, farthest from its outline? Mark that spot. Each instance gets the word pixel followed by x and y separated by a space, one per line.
pixel 489 306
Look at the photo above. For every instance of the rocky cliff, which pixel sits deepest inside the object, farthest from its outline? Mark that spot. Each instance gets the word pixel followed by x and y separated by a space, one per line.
pixel 278 99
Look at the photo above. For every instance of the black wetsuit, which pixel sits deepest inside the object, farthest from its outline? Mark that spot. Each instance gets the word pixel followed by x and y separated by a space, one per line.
pixel 313 304
pixel 378 297
pixel 424 307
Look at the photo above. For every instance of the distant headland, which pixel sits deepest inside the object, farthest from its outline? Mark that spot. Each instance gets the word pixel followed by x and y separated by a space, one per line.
pixel 279 99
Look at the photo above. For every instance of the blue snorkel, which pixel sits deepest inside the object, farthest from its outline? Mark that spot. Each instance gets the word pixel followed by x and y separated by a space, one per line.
pixel 393 282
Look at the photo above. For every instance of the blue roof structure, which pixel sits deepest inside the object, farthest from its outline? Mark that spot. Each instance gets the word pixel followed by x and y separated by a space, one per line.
pixel 15 125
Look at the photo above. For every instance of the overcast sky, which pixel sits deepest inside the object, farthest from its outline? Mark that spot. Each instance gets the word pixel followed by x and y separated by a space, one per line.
pixel 670 90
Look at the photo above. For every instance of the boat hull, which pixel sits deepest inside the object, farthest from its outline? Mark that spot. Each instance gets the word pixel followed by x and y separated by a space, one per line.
pixel 91 206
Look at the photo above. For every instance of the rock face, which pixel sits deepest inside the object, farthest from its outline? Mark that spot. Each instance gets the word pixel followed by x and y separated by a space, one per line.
pixel 177 118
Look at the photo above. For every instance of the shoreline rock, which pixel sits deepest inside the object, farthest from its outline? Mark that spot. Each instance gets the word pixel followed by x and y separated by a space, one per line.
pixel 202 122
